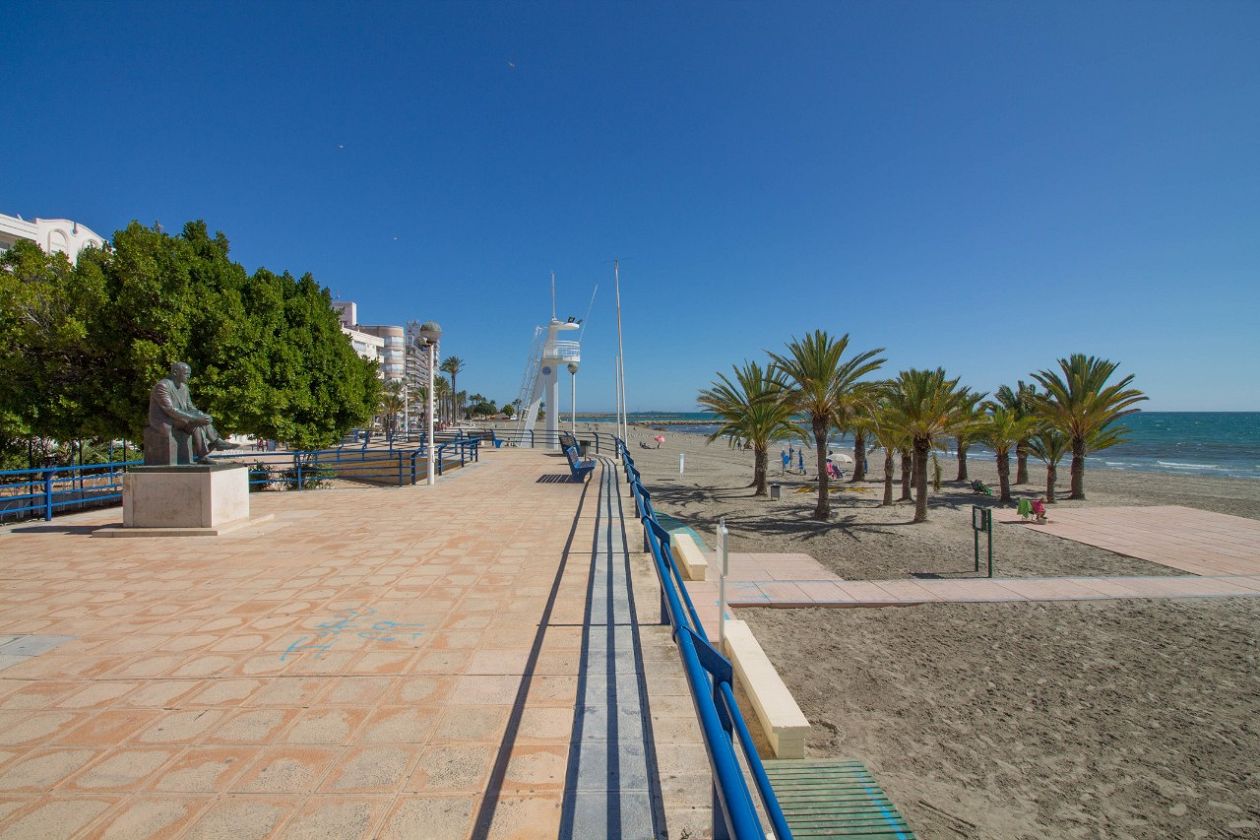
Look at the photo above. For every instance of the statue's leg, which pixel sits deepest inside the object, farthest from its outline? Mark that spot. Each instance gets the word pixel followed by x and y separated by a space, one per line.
pixel 201 447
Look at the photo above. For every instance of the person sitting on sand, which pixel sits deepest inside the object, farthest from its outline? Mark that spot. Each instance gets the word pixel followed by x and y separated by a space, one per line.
pixel 1039 511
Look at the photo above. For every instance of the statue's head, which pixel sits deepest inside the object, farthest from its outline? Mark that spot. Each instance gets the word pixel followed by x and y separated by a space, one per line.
pixel 180 372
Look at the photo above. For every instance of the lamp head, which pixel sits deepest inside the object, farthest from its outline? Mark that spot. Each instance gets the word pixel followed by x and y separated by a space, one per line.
pixel 573 367
pixel 430 332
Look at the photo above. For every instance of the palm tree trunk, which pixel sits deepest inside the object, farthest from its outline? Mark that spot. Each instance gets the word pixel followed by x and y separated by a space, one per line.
pixel 859 457
pixel 962 460
pixel 1021 462
pixel 823 509
pixel 905 475
pixel 1052 473
pixel 1078 468
pixel 921 447
pixel 1004 476
pixel 889 467
pixel 759 471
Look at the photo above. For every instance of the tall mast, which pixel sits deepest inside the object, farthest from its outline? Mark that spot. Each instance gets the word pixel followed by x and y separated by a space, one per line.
pixel 621 354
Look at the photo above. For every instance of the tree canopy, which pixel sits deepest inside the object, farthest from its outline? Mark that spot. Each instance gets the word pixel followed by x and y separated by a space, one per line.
pixel 82 345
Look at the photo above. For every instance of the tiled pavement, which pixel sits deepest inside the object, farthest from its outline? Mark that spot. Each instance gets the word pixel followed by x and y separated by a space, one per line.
pixel 393 663
pixel 1198 541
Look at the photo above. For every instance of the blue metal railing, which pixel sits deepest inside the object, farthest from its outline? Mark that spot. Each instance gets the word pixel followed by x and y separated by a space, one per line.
pixel 541 438
pixel 709 675
pixel 45 491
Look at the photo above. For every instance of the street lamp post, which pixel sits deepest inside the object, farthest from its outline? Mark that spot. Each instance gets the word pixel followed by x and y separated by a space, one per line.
pixel 573 369
pixel 430 332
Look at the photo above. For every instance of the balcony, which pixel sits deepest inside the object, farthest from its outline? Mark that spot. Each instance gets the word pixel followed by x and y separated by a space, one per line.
pixel 565 351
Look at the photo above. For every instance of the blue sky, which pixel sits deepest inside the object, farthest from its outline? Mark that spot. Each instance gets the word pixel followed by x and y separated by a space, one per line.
pixel 982 186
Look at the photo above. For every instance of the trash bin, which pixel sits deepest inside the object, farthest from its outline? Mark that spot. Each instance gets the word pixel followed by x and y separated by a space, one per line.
pixel 775 490
pixel 584 448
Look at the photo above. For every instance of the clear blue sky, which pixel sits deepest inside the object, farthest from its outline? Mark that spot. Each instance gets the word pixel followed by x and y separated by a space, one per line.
pixel 979 186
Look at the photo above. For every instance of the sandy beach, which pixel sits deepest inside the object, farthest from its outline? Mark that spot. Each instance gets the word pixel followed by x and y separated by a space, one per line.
pixel 864 541
pixel 1009 721
pixel 1130 719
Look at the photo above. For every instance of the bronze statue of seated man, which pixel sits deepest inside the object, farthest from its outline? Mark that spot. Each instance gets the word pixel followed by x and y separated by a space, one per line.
pixel 178 432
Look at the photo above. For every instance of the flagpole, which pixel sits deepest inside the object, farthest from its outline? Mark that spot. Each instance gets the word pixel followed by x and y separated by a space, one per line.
pixel 621 353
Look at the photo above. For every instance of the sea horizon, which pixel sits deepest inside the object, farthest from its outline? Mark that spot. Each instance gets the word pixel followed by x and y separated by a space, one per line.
pixel 1209 443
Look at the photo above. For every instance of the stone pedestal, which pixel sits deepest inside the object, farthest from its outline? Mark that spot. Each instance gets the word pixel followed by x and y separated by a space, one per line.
pixel 190 500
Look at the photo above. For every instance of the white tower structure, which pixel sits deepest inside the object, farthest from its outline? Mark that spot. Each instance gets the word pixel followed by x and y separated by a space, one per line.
pixel 554 356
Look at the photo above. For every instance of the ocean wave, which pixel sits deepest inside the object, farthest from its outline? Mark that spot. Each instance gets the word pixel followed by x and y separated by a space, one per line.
pixel 1179 466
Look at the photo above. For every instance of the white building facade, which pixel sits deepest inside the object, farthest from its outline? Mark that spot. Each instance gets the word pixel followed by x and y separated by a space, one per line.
pixel 56 236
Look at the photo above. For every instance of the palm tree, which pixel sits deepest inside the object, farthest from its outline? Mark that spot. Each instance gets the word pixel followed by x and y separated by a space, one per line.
pixel 964 430
pixel 1049 446
pixel 392 404
pixel 923 403
pixel 752 412
pixel 892 439
pixel 1079 402
pixel 1004 429
pixel 442 393
pixel 820 380
pixel 1022 401
pixel 854 413
pixel 454 366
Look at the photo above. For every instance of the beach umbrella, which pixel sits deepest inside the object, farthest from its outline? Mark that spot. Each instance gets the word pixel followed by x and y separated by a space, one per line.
pixel 841 457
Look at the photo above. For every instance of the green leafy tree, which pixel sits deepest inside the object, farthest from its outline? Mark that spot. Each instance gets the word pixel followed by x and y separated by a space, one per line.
pixel 752 412
pixel 923 403
pixel 47 311
pixel 1079 402
pixel 267 351
pixel 509 409
pixel 819 380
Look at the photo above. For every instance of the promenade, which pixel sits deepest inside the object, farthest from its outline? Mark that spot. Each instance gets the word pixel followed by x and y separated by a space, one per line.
pixel 465 660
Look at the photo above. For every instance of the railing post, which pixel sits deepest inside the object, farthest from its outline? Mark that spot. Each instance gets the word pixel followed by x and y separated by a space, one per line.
pixel 297 459
pixel 400 470
pixel 48 495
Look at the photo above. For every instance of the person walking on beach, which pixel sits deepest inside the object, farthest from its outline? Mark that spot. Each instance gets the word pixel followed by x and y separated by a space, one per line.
pixel 786 458
pixel 800 460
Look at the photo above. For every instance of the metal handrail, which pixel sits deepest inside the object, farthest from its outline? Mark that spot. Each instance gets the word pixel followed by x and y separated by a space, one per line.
pixel 709 674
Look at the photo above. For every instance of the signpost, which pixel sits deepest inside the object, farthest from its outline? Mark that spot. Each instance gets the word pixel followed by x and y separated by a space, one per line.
pixel 982 520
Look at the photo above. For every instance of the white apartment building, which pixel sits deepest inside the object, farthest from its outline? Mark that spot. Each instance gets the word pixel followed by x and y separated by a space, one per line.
pixel 56 236
pixel 396 348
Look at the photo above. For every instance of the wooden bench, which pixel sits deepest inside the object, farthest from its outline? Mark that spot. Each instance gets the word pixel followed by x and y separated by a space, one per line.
pixel 579 468
pixel 835 798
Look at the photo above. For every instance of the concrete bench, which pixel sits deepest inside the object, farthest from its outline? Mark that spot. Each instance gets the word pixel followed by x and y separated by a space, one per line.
pixel 782 720
pixel 691 561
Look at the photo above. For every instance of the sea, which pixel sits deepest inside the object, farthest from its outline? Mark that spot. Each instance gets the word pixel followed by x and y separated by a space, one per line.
pixel 1224 443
